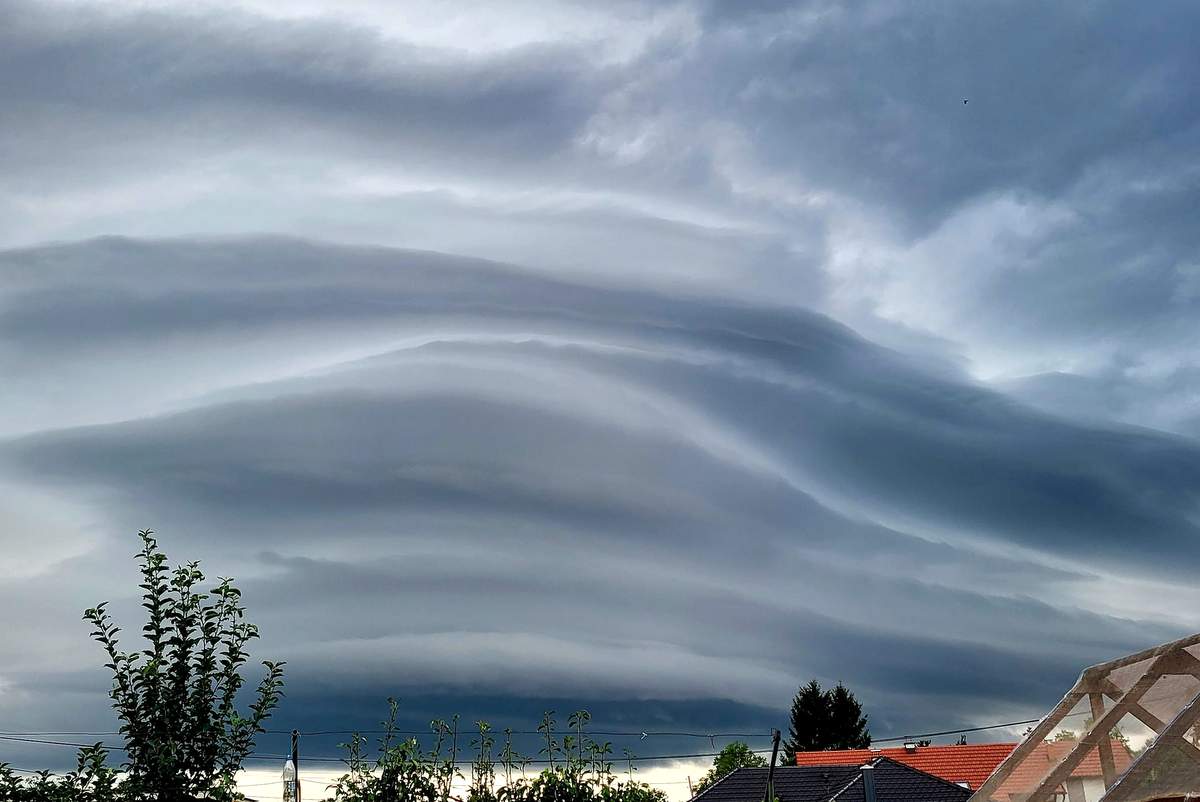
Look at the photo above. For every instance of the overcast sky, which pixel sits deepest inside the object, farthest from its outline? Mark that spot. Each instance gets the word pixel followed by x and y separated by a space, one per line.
pixel 653 357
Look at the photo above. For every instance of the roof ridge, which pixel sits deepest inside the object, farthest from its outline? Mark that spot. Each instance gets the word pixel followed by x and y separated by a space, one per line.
pixel 946 748
pixel 856 778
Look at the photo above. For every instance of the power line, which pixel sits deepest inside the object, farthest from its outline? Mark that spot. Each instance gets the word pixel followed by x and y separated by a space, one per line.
pixel 329 759
pixel 34 738
pixel 956 732
pixel 45 742
pixel 59 732
pixel 531 762
pixel 608 733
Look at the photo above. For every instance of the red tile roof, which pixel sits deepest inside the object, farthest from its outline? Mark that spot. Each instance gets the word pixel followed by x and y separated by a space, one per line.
pixel 1038 763
pixel 966 763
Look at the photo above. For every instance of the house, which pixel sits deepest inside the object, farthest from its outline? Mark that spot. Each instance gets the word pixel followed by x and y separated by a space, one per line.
pixel 967 765
pixel 880 780
pixel 1086 783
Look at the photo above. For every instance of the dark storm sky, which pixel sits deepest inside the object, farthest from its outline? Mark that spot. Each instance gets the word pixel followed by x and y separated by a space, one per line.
pixel 657 356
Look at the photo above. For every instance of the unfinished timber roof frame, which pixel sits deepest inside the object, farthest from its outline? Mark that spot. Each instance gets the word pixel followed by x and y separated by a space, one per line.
pixel 1168 769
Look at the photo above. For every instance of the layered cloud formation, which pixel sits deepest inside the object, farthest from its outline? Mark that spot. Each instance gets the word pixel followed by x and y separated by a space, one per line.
pixel 739 348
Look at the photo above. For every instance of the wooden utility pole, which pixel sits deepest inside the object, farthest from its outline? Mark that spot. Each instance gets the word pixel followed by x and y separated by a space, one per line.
pixel 769 796
pixel 296 763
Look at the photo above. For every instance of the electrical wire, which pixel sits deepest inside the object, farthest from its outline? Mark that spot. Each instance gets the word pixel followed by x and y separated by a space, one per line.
pixel 607 733
pixel 45 742
pixel 955 732
pixel 59 732
pixel 34 738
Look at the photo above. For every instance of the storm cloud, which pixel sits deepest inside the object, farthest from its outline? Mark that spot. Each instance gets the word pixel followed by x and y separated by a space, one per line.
pixel 658 356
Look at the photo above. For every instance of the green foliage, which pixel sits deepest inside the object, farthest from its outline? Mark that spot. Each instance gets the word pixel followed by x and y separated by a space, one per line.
pixel 483 767
pixel 731 757
pixel 1115 734
pixel 821 720
pixel 176 699
pixel 579 769
pixel 1120 737
pixel 402 770
pixel 809 721
pixel 847 724
pixel 91 781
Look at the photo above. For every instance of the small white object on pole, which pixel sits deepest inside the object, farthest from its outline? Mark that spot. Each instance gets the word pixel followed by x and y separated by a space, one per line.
pixel 289 781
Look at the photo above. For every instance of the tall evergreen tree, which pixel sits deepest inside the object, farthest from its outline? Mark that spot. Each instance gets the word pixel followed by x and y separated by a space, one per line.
pixel 823 720
pixel 848 725
pixel 809 721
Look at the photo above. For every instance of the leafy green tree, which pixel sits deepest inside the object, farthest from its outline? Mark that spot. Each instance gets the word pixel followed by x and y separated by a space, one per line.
pixel 1115 734
pixel 824 719
pixel 732 756
pixel 177 698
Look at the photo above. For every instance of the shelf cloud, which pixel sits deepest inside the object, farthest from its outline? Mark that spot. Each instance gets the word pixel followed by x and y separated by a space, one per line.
pixel 655 355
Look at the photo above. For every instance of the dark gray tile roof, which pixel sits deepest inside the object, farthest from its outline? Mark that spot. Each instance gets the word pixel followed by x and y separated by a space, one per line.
pixel 792 784
pixel 894 782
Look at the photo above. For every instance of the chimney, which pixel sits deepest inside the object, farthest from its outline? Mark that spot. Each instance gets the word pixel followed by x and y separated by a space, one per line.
pixel 868 777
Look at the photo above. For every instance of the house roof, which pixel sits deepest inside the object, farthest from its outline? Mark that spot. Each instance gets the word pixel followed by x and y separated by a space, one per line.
pixel 1048 754
pixel 894 782
pixel 965 763
pixel 792 784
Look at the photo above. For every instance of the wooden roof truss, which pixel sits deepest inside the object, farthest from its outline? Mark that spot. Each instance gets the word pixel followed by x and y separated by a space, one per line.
pixel 1160 688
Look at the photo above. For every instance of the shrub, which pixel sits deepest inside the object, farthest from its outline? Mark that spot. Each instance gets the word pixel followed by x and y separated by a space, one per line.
pixel 579 769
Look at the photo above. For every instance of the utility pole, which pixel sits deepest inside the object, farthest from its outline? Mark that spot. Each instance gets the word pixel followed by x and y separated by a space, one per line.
pixel 770 793
pixel 296 764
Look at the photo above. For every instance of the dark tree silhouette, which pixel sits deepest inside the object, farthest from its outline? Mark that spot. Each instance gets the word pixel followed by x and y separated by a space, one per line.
pixel 847 724
pixel 823 720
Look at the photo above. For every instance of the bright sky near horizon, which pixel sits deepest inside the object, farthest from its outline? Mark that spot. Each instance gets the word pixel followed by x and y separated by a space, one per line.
pixel 649 357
